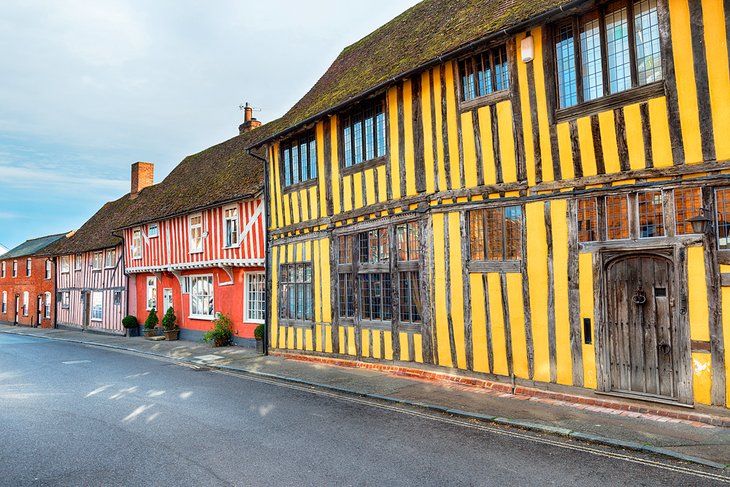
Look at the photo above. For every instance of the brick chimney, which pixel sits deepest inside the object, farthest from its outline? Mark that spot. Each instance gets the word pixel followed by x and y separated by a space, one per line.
pixel 249 123
pixel 143 176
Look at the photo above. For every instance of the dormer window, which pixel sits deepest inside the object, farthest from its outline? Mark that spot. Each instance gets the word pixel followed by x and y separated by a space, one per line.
pixel 484 74
pixel 299 158
pixel 363 133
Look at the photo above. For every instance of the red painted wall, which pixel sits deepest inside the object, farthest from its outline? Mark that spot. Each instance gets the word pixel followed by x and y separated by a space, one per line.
pixel 36 285
pixel 228 300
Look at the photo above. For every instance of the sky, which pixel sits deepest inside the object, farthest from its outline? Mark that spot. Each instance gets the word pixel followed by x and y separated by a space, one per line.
pixel 88 87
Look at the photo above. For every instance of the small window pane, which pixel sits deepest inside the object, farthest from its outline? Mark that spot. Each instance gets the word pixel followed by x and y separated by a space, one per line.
pixel 723 218
pixel 591 61
pixel 617 218
pixel 565 64
pixel 651 216
pixel 617 44
pixel 587 220
pixel 648 50
pixel 687 204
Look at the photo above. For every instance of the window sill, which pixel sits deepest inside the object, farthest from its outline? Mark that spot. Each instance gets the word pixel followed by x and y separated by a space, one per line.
pixel 309 183
pixel 609 102
pixel 98 320
pixel 231 247
pixel 192 252
pixel 362 166
pixel 64 307
pixel 482 101
pixel 201 317
pixel 258 322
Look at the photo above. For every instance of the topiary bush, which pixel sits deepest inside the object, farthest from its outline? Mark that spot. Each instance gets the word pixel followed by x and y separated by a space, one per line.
pixel 169 321
pixel 152 320
pixel 130 321
pixel 221 333
pixel 258 332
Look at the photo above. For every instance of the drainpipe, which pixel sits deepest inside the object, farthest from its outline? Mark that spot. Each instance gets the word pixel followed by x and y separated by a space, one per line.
pixel 55 291
pixel 125 311
pixel 267 259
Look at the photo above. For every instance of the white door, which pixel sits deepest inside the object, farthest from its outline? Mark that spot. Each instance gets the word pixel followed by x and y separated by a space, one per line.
pixel 166 299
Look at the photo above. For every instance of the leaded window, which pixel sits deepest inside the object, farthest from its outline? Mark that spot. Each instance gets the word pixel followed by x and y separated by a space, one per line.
pixel 723 218
pixel 299 158
pixel 96 261
pixel 687 204
pixel 651 215
pixel 110 258
pixel 587 220
pixel 363 133
pixel 484 73
pixel 617 217
pixel 495 234
pixel 296 294
pixel 607 51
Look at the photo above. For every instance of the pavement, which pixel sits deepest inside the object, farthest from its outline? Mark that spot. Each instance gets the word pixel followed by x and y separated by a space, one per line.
pixel 640 429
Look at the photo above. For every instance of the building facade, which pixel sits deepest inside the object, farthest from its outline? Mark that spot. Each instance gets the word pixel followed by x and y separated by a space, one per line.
pixel 509 189
pixel 196 243
pixel 27 276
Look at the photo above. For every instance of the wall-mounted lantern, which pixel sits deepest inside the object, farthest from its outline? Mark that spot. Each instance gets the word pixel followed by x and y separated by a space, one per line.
pixel 701 222
pixel 527 49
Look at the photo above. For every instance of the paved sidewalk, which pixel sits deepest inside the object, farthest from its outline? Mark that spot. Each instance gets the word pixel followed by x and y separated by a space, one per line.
pixel 683 439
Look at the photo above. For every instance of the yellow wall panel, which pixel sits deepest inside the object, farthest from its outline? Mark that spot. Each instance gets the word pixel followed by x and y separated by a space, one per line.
pixel 537 275
pixel 382 184
pixel 526 117
pixel 558 209
pixel 347 193
pixel 566 151
pixel 370 186
pixel 478 324
pixel 328 339
pixel 375 337
pixel 587 151
pixel 304 203
pixel 470 157
pixel 702 377
pixel 699 328
pixel 351 350
pixel 365 342
pixel 308 340
pixel 343 345
pixel 661 144
pixel 542 110
pixel 294 202
pixel 326 283
pixel 286 206
pixel 499 342
pixel 719 77
pixel 318 278
pixel 408 135
pixel 290 337
pixel 607 124
pixel 274 304
pixel 388 339
pixel 485 129
pixel 686 91
pixel 585 272
pixel 507 142
pixel 452 127
pixel 634 136
pixel 517 324
pixel 403 342
pixel 418 345
pixel 318 339
pixel 442 327
pixel 313 197
pixel 393 142
pixel 335 166
pixel 457 288
pixel 300 338
pixel 439 126
pixel 427 131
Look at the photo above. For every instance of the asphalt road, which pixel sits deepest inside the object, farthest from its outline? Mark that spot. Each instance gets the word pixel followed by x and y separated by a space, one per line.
pixel 77 415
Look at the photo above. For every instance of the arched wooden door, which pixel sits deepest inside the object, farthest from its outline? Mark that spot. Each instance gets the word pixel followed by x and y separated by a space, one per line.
pixel 642 333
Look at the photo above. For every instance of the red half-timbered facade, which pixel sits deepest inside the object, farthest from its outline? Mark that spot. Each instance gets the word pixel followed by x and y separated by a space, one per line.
pixel 198 243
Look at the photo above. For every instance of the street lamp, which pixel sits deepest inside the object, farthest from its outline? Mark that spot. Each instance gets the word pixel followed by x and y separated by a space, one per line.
pixel 701 222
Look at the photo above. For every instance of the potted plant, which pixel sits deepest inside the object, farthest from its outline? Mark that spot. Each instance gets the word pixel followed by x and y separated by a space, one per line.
pixel 221 333
pixel 169 325
pixel 131 324
pixel 150 324
pixel 258 334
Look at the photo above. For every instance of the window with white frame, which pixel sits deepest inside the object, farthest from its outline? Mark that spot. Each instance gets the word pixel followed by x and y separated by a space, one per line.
pixel 110 258
pixel 48 269
pixel 2 270
pixel 151 292
pixel 255 297
pixel 97 308
pixel 153 230
pixel 230 226
pixel 15 268
pixel 26 298
pixel 136 243
pixel 195 224
pixel 28 267
pixel 47 306
pixel 65 300
pixel 78 262
pixel 96 261
pixel 5 302
pixel 65 264
pixel 201 297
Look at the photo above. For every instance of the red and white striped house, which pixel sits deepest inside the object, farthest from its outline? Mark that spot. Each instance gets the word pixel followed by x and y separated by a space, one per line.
pixel 197 242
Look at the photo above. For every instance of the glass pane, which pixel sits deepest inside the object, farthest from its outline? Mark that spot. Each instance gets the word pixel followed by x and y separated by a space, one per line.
pixel 651 216
pixel 723 218
pixel 304 162
pixel 402 238
pixel 590 48
pixel 357 142
pixel 513 232
pixel 617 44
pixel 587 220
pixel 495 233
pixel 565 64
pixel 501 71
pixel 687 204
pixel 295 164
pixel 380 122
pixel 617 218
pixel 369 136
pixel 476 234
pixel 347 141
pixel 312 158
pixel 648 51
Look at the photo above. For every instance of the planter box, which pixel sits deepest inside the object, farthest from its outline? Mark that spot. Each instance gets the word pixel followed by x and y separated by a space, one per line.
pixel 260 346
pixel 172 334
pixel 132 332
pixel 150 333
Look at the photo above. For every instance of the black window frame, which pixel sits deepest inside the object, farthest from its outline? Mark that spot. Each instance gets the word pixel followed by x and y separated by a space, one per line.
pixel 376 106
pixel 306 286
pixel 495 95
pixel 307 138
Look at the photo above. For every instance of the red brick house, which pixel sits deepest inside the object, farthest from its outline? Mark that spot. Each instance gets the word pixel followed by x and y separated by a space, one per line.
pixel 27 277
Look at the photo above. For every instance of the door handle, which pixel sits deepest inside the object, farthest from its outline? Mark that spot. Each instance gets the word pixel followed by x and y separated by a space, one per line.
pixel 665 348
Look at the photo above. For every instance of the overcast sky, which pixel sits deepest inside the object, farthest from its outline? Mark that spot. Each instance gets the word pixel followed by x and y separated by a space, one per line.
pixel 87 87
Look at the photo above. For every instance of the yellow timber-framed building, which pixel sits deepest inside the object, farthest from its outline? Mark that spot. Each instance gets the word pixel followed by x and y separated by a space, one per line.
pixel 527 191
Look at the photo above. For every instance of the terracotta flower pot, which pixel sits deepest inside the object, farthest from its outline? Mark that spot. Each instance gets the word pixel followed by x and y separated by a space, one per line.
pixel 150 332
pixel 172 334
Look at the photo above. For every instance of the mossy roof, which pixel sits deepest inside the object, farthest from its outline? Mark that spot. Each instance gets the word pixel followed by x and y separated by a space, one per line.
pixel 425 33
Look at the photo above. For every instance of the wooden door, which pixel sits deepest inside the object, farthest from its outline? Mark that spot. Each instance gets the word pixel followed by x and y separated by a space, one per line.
pixel 40 311
pixel 17 308
pixel 87 310
pixel 642 335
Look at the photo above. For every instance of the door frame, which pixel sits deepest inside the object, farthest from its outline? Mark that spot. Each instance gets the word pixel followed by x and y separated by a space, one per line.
pixel 86 315
pixel 682 356
pixel 39 313
pixel 17 309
